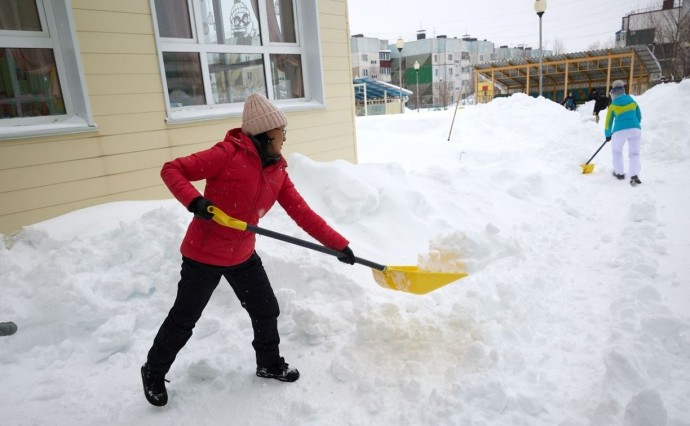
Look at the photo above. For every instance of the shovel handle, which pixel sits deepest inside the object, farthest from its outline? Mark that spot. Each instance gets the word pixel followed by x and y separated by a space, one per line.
pixel 221 218
pixel 595 154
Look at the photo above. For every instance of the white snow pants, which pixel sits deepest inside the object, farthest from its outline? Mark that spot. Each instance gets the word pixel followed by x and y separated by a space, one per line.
pixel 634 139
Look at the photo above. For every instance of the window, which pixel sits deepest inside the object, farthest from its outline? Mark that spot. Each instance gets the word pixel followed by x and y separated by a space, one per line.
pixel 365 57
pixel 41 82
pixel 215 53
pixel 450 56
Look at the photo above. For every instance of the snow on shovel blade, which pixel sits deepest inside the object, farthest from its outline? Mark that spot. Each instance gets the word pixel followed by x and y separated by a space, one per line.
pixel 587 168
pixel 411 279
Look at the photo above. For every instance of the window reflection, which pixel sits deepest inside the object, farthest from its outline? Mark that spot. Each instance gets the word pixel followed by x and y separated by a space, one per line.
pixel 281 21
pixel 173 18
pixel 19 15
pixel 234 76
pixel 183 76
pixel 239 59
pixel 231 22
pixel 29 84
pixel 287 76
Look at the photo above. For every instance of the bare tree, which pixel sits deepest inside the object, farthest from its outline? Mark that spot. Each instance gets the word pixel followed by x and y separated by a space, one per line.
pixel 594 46
pixel 671 35
pixel 558 46
pixel 599 45
pixel 609 44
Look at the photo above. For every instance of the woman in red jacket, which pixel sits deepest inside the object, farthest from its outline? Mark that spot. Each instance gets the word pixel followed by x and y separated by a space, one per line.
pixel 245 175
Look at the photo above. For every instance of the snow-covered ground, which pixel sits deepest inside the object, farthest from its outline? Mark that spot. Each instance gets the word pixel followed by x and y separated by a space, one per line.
pixel 575 311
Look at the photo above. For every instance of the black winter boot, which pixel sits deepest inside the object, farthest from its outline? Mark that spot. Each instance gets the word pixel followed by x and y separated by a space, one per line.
pixel 619 177
pixel 154 386
pixel 634 180
pixel 280 371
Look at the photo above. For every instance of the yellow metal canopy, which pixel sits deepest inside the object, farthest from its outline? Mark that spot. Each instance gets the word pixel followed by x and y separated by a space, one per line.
pixel 583 71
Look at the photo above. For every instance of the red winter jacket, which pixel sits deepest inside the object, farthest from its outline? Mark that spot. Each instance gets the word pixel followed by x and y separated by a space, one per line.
pixel 237 184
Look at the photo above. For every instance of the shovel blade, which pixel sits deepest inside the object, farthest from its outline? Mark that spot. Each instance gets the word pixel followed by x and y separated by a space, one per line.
pixel 587 168
pixel 412 280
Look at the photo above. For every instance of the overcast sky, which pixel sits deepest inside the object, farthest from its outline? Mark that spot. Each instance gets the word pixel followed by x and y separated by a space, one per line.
pixel 577 24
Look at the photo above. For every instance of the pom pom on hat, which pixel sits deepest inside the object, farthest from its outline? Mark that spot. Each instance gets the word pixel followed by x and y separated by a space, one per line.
pixel 617 89
pixel 260 115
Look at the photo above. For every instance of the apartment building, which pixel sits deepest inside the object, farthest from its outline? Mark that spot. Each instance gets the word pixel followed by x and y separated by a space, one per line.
pixel 444 72
pixel 665 31
pixel 370 58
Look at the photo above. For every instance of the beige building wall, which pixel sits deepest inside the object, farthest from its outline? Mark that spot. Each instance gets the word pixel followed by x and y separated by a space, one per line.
pixel 44 177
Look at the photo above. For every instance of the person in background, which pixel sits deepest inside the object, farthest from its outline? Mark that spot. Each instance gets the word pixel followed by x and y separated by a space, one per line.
pixel 623 124
pixel 601 102
pixel 7 328
pixel 245 175
pixel 593 95
pixel 569 102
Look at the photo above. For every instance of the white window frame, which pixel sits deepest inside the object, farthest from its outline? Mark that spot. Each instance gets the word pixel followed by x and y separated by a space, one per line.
pixel 307 45
pixel 58 34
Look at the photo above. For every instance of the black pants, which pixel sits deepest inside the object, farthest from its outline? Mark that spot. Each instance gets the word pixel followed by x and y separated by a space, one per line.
pixel 198 281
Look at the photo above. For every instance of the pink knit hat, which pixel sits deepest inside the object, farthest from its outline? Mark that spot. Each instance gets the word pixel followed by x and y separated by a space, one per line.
pixel 260 115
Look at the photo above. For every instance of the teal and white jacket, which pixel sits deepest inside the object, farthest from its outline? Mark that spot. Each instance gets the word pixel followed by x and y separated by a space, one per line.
pixel 623 113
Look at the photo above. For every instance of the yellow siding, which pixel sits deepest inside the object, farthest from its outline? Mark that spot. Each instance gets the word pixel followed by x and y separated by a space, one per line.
pixel 47 176
pixel 127 6
pixel 103 21
pixel 132 124
pixel 119 144
pixel 209 134
pixel 333 21
pixel 120 64
pixel 135 161
pixel 333 7
pixel 121 84
pixel 127 103
pixel 130 44
pixel 14 155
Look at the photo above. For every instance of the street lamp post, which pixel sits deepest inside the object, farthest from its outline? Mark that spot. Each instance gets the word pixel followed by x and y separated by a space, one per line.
pixel 540 8
pixel 400 44
pixel 416 72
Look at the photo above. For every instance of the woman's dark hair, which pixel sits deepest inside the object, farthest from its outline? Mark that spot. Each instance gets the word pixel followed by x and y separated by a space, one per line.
pixel 261 142
pixel 263 138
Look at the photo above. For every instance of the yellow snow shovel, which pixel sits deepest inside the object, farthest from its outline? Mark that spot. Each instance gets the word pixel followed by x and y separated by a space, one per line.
pixel 409 279
pixel 589 168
